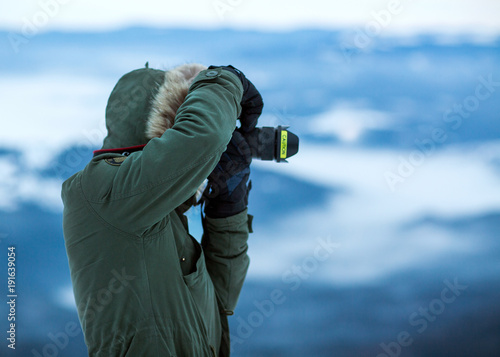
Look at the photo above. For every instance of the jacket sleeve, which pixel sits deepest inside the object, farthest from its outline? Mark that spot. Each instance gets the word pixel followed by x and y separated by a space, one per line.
pixel 225 247
pixel 150 184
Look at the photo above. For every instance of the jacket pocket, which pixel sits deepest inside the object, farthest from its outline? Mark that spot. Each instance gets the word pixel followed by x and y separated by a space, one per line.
pixel 200 286
pixel 189 254
pixel 145 343
pixel 202 292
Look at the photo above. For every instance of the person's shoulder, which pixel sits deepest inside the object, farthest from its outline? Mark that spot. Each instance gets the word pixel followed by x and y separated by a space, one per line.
pixel 70 187
pixel 92 179
pixel 69 183
pixel 97 177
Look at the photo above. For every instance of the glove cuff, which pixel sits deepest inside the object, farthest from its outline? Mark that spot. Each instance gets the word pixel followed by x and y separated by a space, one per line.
pixel 223 209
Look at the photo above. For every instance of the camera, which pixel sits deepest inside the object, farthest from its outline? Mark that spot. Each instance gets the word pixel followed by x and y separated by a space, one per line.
pixel 268 143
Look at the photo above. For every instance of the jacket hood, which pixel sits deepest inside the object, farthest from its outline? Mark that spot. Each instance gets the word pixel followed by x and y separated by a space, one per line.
pixel 144 102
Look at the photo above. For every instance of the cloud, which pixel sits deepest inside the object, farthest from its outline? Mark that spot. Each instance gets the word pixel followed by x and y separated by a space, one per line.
pixel 366 221
pixel 447 16
pixel 349 120
pixel 46 113
pixel 65 297
pixel 456 181
pixel 19 184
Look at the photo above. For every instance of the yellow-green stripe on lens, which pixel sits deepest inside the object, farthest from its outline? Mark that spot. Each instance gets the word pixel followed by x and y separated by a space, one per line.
pixel 284 139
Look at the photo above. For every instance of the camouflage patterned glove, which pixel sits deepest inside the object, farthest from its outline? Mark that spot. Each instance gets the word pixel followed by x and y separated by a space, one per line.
pixel 227 191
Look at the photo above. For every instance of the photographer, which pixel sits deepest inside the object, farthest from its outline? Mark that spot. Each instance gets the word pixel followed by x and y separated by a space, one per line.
pixel 143 286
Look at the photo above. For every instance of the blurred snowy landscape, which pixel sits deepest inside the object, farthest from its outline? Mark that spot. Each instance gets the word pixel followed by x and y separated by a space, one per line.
pixel 379 238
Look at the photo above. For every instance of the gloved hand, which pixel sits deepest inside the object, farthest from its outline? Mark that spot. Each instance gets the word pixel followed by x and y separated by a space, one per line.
pixel 227 192
pixel 251 102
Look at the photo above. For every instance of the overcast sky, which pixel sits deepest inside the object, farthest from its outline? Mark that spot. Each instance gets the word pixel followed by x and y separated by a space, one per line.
pixel 480 17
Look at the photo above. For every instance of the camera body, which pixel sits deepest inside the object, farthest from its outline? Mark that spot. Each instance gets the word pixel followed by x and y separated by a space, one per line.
pixel 268 143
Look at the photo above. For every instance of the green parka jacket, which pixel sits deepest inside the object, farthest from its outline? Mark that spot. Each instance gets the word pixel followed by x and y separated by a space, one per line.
pixel 143 286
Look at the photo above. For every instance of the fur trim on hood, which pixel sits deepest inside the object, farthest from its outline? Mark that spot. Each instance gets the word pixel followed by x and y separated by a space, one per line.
pixel 165 104
pixel 169 98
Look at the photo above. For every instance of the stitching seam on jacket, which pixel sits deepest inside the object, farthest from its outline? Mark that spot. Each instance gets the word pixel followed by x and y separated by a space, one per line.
pixel 99 217
pixel 160 183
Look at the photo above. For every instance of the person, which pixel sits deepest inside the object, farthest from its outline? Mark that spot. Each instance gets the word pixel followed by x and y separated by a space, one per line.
pixel 143 286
